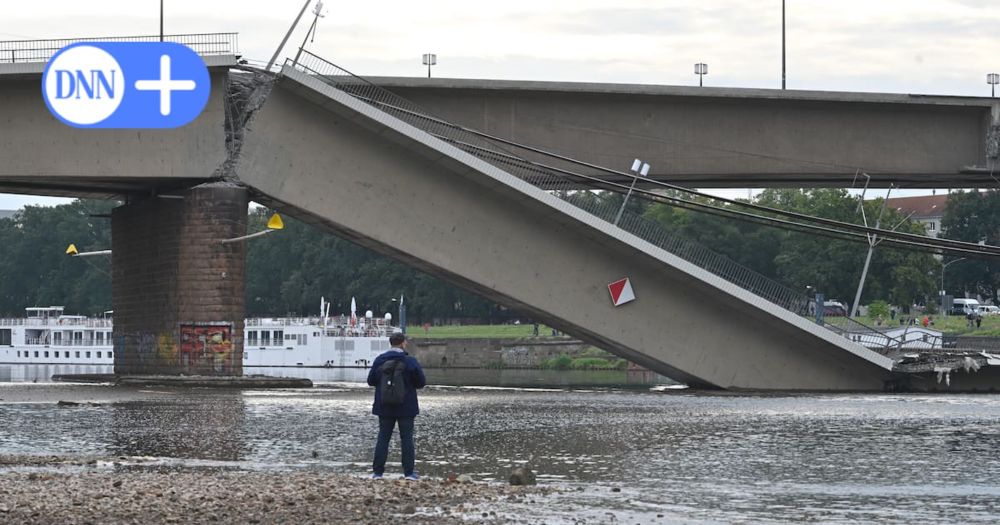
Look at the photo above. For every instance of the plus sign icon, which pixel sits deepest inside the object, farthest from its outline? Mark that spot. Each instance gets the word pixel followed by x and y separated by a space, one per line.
pixel 126 85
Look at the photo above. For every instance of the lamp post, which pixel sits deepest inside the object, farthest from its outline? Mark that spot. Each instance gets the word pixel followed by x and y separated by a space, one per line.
pixel 318 11
pixel 782 44
pixel 993 79
pixel 288 34
pixel 943 266
pixel 161 20
pixel 430 59
pixel 700 69
pixel 640 168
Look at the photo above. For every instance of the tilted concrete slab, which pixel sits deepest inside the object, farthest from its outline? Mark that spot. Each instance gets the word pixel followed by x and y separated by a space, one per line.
pixel 44 156
pixel 331 160
pixel 731 137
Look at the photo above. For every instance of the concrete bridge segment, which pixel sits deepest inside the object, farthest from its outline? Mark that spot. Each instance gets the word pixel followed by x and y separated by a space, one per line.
pixel 329 159
pixel 732 137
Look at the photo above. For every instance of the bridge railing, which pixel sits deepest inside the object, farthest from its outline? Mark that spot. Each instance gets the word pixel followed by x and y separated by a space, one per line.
pixel 566 185
pixel 21 51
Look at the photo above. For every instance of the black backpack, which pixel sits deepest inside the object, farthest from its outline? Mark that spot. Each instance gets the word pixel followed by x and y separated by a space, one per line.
pixel 392 384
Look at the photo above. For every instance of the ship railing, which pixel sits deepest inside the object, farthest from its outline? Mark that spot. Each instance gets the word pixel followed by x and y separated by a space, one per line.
pixel 83 342
pixel 57 323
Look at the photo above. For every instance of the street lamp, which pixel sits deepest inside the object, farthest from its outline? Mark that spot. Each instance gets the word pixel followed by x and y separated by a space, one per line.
pixel 943 266
pixel 993 79
pixel 430 59
pixel 642 169
pixel 700 69
pixel 782 44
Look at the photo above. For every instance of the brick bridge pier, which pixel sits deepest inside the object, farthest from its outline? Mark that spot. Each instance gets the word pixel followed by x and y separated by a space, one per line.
pixel 178 292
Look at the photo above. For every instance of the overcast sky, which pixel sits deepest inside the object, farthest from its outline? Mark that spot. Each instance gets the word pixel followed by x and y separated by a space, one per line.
pixel 903 46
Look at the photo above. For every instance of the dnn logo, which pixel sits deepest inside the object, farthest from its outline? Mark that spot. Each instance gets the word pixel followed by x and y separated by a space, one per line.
pixel 126 85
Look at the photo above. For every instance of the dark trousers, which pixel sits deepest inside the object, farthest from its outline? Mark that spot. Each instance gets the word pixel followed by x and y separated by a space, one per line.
pixel 385 426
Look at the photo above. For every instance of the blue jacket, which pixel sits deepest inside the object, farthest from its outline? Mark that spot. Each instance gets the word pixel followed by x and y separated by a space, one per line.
pixel 414 379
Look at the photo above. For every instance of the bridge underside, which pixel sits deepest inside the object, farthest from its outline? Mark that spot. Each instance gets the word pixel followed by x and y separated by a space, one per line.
pixel 723 137
pixel 329 163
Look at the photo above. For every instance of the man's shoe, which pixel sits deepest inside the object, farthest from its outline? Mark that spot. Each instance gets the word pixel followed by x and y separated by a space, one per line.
pixel 376 476
pixel 411 477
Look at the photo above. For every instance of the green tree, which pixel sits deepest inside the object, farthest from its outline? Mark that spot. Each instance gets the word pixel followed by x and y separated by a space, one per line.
pixel 973 216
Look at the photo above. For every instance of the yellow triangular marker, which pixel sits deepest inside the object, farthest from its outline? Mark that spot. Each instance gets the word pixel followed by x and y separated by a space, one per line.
pixel 275 222
pixel 71 250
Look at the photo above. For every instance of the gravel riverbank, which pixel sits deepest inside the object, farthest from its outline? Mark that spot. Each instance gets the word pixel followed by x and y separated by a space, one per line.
pixel 44 490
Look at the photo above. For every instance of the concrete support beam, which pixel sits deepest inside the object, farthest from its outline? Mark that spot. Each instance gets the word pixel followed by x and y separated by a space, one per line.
pixel 177 292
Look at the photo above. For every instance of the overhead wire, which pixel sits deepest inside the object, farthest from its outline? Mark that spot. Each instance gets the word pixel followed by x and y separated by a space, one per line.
pixel 823 231
pixel 830 226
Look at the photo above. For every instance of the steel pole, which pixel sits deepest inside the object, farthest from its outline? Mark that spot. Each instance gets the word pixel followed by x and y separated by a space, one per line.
pixel 782 44
pixel 161 20
pixel 871 247
pixel 624 202
pixel 288 34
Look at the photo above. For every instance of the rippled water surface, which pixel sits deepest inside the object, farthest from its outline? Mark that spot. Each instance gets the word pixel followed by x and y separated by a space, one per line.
pixel 674 456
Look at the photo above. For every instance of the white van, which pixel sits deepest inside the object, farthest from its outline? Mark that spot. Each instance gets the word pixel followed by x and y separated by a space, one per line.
pixel 989 309
pixel 964 306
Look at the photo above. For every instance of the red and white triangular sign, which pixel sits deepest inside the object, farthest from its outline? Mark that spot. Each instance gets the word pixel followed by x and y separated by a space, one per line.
pixel 621 291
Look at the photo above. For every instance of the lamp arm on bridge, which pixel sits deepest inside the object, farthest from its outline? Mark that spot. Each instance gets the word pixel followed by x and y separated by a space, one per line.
pixel 273 224
pixel 73 252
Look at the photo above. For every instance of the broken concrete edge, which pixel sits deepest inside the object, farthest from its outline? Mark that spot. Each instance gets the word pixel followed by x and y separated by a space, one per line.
pixel 188 381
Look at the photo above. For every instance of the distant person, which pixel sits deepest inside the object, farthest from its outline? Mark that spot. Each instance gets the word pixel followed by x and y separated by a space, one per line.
pixel 926 321
pixel 892 313
pixel 534 329
pixel 969 319
pixel 427 328
pixel 396 376
pixel 979 320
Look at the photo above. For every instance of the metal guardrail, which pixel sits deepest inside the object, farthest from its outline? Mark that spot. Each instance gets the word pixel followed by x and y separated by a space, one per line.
pixel 21 51
pixel 562 184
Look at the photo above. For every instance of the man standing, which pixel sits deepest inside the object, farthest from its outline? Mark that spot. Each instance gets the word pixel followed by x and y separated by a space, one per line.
pixel 395 403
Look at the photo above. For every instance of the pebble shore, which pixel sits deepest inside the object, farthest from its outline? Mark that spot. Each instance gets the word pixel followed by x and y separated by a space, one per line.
pixel 53 489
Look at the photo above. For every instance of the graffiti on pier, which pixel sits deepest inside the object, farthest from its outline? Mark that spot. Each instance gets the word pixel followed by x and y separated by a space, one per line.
pixel 207 348
pixel 145 352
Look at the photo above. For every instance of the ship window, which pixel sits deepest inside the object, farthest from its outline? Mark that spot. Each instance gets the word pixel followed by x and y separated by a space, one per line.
pixel 77 353
pixel 100 338
pixel 87 355
pixel 18 353
pixel 315 334
pixel 252 337
pixel 98 355
pixel 57 354
pixel 5 336
pixel 36 353
pixel 46 353
pixel 278 336
pixel 111 355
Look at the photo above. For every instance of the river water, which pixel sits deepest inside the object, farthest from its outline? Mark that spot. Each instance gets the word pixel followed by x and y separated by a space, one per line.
pixel 621 455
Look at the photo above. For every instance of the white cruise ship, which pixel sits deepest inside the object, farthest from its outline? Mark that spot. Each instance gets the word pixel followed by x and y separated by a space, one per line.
pixel 47 336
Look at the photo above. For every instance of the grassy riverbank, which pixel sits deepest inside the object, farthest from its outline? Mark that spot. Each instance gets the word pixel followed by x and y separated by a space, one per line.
pixel 951 325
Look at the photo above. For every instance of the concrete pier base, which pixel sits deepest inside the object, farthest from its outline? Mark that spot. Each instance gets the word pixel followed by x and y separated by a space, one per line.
pixel 178 292
pixel 188 381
